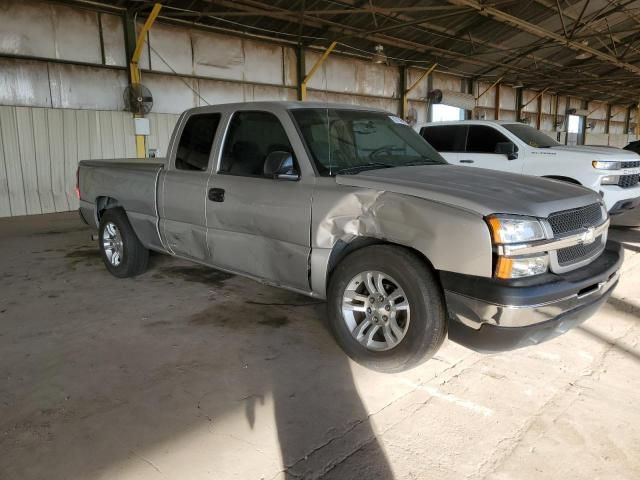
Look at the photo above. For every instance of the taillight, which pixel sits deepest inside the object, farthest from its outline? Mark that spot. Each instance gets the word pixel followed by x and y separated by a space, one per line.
pixel 78 183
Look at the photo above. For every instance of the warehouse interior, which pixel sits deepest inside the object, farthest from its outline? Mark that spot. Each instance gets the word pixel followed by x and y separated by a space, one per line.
pixel 188 372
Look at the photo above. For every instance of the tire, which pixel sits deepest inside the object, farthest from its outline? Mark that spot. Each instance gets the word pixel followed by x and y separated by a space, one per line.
pixel 117 238
pixel 418 332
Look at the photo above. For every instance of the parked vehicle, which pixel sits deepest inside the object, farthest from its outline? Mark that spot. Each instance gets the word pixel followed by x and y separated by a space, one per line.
pixel 351 205
pixel 519 148
pixel 633 147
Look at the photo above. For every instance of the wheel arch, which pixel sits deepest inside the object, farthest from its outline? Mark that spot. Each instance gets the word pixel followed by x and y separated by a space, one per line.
pixel 103 203
pixel 342 249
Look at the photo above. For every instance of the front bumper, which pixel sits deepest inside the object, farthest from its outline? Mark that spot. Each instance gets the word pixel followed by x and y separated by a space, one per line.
pixel 496 315
pixel 615 197
pixel 623 206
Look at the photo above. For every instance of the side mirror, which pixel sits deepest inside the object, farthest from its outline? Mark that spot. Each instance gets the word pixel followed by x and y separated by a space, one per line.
pixel 508 149
pixel 280 165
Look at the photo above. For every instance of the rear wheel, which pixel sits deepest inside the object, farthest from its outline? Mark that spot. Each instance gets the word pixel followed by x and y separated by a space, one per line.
pixel 386 308
pixel 122 252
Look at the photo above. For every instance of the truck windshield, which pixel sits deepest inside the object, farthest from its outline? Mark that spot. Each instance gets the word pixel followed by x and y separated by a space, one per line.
pixel 350 141
pixel 529 135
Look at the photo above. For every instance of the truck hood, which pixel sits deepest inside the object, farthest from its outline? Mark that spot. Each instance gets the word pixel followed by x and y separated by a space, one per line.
pixel 476 189
pixel 593 152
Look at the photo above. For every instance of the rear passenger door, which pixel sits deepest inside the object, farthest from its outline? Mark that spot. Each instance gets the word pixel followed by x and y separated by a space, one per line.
pixel 182 194
pixel 480 150
pixel 260 225
pixel 448 140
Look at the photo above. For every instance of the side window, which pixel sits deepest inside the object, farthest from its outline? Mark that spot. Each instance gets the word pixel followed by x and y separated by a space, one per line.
pixel 251 137
pixel 483 139
pixel 445 138
pixel 196 140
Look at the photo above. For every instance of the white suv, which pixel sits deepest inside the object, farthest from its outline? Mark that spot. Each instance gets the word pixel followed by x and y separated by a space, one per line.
pixel 519 148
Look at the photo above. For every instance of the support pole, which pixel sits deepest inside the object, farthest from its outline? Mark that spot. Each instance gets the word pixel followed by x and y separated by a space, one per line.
pixel 323 57
pixel 497 103
pixel 134 69
pixel 405 93
pixel 300 69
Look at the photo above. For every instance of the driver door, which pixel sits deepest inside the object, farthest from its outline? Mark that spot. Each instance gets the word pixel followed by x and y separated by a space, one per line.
pixel 258 225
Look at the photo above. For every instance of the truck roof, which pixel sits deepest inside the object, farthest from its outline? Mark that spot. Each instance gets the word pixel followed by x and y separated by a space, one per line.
pixel 471 122
pixel 288 105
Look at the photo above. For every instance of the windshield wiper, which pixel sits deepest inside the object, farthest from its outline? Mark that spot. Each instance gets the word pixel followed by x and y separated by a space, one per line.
pixel 416 163
pixel 362 168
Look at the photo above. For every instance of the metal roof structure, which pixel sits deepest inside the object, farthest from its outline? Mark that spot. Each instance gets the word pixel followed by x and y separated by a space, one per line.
pixel 585 48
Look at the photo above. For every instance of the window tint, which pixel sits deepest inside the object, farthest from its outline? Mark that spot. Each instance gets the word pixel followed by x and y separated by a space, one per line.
pixel 196 140
pixel 250 138
pixel 483 139
pixel 446 138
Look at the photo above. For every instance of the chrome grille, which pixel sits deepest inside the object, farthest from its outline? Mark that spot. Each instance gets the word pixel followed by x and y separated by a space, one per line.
pixel 627 181
pixel 575 253
pixel 568 221
pixel 632 164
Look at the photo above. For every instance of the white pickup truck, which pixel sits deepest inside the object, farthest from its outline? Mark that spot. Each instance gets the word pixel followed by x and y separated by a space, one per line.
pixel 515 147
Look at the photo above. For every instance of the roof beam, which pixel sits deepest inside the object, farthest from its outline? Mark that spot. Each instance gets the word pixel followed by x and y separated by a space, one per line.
pixel 540 32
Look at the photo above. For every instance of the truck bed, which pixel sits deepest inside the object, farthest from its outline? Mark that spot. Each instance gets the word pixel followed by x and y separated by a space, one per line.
pixel 130 183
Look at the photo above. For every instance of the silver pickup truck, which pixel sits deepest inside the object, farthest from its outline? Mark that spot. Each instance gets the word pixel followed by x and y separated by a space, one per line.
pixel 349 204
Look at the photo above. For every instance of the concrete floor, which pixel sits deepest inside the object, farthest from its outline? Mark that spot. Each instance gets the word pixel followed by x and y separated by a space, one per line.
pixel 189 373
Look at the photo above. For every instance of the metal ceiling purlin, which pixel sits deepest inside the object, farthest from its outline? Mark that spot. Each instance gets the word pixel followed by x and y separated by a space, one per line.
pixel 525 26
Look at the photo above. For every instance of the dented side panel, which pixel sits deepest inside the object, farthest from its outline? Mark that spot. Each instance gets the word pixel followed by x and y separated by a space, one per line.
pixel 452 239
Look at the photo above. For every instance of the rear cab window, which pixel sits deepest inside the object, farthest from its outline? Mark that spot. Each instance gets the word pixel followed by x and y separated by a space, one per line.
pixel 445 138
pixel 196 140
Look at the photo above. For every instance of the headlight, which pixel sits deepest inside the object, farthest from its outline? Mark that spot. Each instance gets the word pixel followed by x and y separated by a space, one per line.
pixel 606 165
pixel 518 267
pixel 514 229
pixel 610 180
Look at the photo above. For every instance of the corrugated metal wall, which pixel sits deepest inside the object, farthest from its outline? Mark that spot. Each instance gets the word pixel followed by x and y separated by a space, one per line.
pixel 40 149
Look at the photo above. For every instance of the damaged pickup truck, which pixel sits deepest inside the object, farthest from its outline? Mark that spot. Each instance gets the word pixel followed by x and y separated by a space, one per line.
pixel 349 204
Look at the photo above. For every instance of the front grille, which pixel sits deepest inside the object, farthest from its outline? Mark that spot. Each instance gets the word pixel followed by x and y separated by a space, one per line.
pixel 632 164
pixel 627 181
pixel 575 253
pixel 576 219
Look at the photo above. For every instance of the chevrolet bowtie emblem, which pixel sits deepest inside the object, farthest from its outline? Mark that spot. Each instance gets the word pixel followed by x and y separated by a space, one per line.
pixel 588 236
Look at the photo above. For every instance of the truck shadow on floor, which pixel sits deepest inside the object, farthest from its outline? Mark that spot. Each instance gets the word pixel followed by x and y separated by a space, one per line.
pixel 150 380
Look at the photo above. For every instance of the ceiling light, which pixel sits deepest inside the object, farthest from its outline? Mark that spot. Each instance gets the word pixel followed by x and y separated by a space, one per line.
pixel 518 84
pixel 379 55
pixel 584 55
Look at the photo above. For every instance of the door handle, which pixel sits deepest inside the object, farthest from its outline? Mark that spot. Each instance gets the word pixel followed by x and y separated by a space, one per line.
pixel 466 161
pixel 216 194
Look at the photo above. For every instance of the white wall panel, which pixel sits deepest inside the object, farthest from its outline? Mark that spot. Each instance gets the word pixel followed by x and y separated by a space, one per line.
pixel 27 29
pixel 263 62
pixel 69 123
pixel 113 40
pixel 290 67
pixel 421 90
pixel 5 205
pixel 80 87
pixel 28 160
pixel 24 83
pixel 215 92
pixel 171 94
pixel 218 56
pixel 173 44
pixel 56 151
pixel 43 159
pixel 13 167
pixel 77 36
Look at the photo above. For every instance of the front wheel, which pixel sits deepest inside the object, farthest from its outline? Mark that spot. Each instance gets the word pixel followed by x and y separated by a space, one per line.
pixel 386 309
pixel 122 252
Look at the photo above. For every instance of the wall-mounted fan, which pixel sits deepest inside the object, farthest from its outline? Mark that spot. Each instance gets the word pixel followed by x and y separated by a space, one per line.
pixel 138 99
